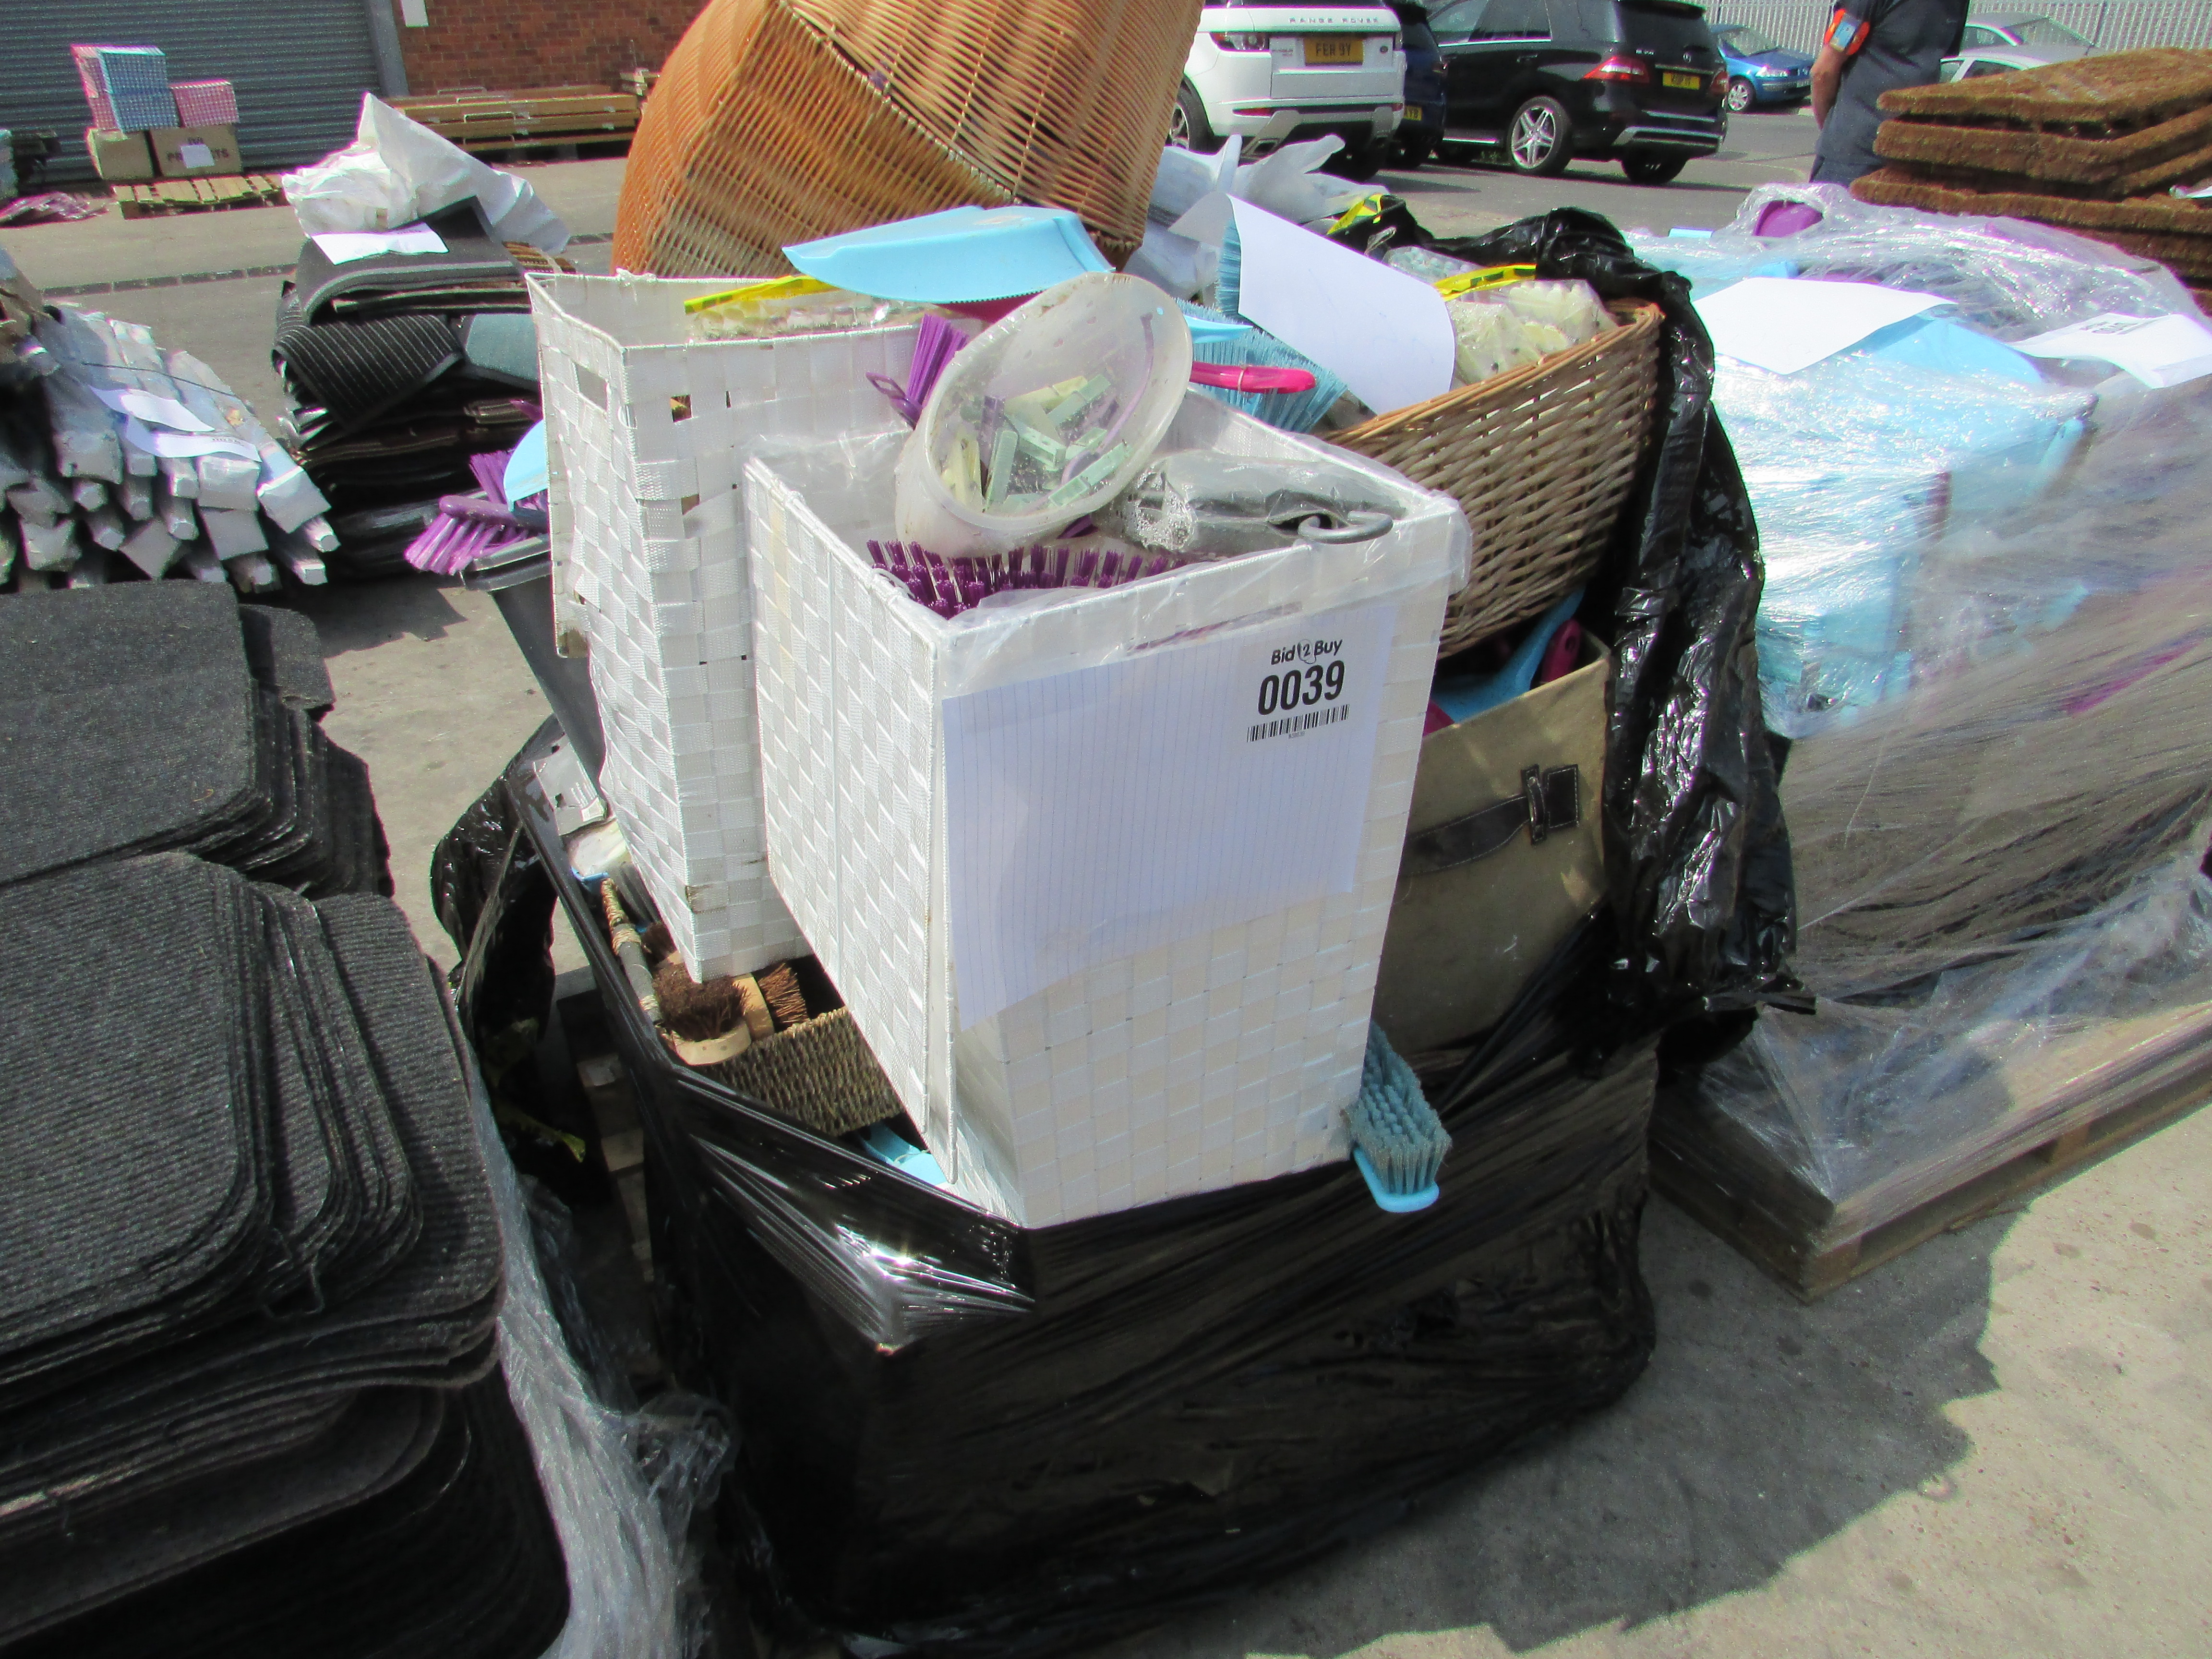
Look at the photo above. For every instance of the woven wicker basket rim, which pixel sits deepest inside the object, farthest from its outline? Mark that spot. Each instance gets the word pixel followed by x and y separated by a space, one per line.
pixel 1639 318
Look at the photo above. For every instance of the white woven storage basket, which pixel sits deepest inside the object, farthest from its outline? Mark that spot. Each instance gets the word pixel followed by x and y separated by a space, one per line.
pixel 646 433
pixel 1224 1056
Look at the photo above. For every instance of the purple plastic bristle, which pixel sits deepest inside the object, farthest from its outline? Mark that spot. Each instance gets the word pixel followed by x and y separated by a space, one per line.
pixel 1086 567
pixel 490 470
pixel 1060 567
pixel 1109 569
pixel 876 552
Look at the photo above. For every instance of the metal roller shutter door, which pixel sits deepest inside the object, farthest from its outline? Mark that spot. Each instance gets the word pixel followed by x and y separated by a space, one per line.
pixel 299 66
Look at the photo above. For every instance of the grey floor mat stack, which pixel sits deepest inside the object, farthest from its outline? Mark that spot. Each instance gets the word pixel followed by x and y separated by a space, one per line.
pixel 251 1398
pixel 399 367
pixel 149 716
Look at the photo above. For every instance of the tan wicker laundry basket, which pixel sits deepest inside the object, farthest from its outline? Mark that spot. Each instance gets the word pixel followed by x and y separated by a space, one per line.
pixel 778 121
pixel 1064 102
pixel 1541 459
pixel 759 134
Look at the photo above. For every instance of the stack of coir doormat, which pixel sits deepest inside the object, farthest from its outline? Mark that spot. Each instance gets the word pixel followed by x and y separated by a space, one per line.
pixel 2098 146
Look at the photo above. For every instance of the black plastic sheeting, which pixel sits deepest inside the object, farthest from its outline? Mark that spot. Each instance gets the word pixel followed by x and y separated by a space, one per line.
pixel 959 1437
pixel 1697 854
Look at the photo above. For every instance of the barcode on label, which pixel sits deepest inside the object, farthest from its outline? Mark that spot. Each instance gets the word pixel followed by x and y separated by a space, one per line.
pixel 1295 724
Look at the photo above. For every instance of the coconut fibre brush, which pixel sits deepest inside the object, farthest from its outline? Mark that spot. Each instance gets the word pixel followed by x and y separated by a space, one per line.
pixel 1397 1140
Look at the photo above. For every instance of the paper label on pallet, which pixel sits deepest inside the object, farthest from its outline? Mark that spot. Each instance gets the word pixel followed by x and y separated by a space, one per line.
pixel 151 409
pixel 1094 814
pixel 2160 351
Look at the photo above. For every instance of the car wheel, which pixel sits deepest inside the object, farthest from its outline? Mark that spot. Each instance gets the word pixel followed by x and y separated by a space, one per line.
pixel 1187 124
pixel 1536 143
pixel 1653 169
pixel 1739 94
pixel 1412 152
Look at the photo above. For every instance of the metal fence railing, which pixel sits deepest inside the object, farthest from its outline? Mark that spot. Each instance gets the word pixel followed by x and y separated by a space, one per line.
pixel 2114 25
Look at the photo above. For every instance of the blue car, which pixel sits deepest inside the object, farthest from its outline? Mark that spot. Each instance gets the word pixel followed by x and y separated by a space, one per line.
pixel 1761 72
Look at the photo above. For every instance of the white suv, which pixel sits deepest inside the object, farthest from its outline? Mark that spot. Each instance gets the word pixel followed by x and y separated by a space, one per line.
pixel 1277 72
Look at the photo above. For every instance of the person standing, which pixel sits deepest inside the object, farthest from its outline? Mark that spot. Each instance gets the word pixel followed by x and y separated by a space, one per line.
pixel 1872 45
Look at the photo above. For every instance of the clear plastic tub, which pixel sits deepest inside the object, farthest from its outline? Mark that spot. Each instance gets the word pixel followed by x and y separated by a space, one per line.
pixel 1046 416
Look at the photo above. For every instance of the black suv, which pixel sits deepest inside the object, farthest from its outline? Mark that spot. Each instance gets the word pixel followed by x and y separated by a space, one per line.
pixel 1535 83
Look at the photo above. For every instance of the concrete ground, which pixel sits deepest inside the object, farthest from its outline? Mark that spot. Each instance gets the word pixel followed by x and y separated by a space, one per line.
pixel 1998 1446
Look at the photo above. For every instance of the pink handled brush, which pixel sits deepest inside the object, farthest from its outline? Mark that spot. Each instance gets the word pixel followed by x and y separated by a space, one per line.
pixel 1250 377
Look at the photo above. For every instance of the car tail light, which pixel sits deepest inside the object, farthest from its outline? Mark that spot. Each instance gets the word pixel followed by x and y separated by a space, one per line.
pixel 1619 67
pixel 1240 42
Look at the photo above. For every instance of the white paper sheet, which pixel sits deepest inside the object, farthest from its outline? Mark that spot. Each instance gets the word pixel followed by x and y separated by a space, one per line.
pixel 343 248
pixel 179 445
pixel 1386 333
pixel 1095 814
pixel 151 409
pixel 2160 351
pixel 1785 324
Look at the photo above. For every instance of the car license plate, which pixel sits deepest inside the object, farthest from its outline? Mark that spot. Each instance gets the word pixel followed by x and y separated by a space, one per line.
pixel 1683 82
pixel 1336 49
pixel 1413 111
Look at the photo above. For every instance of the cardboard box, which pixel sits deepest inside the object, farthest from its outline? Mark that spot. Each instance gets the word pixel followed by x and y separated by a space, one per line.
pixel 120 158
pixel 195 152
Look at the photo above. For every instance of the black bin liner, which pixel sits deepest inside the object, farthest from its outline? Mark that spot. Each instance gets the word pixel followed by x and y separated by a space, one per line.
pixel 957 1436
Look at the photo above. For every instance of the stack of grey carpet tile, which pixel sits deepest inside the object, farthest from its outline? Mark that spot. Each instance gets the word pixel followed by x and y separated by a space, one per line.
pixel 251 1401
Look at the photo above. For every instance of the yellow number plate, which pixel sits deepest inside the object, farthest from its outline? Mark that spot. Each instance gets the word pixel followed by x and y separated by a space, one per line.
pixel 1687 82
pixel 1335 49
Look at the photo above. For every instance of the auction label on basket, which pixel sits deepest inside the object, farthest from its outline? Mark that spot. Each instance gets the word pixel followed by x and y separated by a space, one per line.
pixel 1308 675
pixel 1105 811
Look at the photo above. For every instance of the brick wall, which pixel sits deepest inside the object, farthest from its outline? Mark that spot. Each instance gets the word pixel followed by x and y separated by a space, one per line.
pixel 504 45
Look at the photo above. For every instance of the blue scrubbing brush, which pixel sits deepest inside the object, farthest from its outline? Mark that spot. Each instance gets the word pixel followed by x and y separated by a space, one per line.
pixel 1397 1140
pixel 1253 347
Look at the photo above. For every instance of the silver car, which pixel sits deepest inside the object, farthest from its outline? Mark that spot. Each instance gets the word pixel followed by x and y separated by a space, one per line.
pixel 1997 33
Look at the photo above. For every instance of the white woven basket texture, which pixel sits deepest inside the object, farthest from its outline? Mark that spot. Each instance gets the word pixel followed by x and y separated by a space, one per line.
pixel 1227 1057
pixel 646 435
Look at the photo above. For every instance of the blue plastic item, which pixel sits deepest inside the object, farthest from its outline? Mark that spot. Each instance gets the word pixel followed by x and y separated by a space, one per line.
pixel 1211 327
pixel 526 470
pixel 1950 347
pixel 1215 339
pixel 886 1146
pixel 957 256
pixel 1399 1145
pixel 1465 696
pixel 136 80
pixel 1395 1203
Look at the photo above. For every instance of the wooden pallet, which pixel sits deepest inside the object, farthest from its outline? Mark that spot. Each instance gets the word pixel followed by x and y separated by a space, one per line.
pixel 1731 1184
pixel 163 196
pixel 528 119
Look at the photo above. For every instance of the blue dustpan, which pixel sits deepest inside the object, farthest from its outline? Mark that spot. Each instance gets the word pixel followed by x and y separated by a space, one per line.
pixel 956 257
pixel 525 468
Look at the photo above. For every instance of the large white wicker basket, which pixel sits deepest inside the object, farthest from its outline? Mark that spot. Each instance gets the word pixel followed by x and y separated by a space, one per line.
pixel 1223 1057
pixel 646 435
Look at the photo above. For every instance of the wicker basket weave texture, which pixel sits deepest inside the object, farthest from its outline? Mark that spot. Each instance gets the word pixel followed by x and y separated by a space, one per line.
pixel 1059 102
pixel 760 134
pixel 1541 460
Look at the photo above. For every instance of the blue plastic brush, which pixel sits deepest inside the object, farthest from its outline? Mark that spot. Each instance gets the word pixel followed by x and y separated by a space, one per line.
pixel 1253 347
pixel 1228 278
pixel 1397 1140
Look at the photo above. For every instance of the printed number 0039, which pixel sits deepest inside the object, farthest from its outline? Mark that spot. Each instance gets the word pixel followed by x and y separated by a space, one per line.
pixel 1294 686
